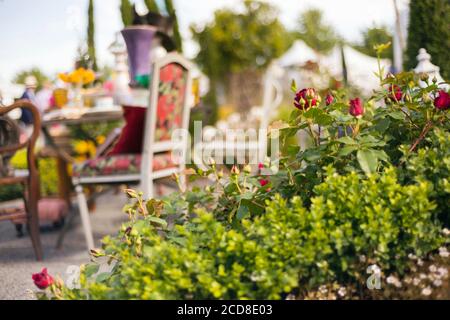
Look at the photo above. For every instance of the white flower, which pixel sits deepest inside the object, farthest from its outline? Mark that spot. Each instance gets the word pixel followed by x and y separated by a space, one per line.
pixel 416 281
pixel 443 252
pixel 437 283
pixel 443 271
pixel 394 281
pixel 432 268
pixel 412 257
pixel 426 291
pixel 342 291
pixel 420 262
pixel 422 276
pixel 446 232
pixel 362 258
pixel 391 279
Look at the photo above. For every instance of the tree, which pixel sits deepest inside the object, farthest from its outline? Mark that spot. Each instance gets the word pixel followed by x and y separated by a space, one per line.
pixel 240 44
pixel 40 76
pixel 239 41
pixel 429 28
pixel 126 10
pixel 91 36
pixel 152 6
pixel 176 31
pixel 373 36
pixel 315 32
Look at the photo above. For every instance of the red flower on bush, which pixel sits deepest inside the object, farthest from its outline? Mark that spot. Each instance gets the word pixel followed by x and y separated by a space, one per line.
pixel 395 92
pixel 306 98
pixel 263 182
pixel 329 99
pixel 42 280
pixel 442 101
pixel 356 107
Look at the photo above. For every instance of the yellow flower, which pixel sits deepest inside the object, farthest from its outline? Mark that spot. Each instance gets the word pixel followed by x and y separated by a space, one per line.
pixel 88 76
pixel 81 147
pixel 64 77
pixel 100 139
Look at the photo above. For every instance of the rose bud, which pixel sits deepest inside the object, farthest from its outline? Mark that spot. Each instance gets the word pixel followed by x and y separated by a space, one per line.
pixel 424 76
pixel 305 98
pixel 235 170
pixel 260 166
pixel 395 92
pixel 247 169
pixel 263 182
pixel 329 99
pixel 356 107
pixel 42 280
pixel 442 101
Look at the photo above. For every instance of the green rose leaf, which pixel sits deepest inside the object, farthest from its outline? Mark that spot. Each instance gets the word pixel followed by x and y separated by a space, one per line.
pixel 367 160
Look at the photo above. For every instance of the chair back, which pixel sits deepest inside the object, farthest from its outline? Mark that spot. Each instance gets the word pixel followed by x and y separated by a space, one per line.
pixel 9 145
pixel 168 112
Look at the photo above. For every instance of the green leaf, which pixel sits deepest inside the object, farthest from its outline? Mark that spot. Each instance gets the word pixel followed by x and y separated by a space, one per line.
pixel 367 160
pixel 347 140
pixel 103 276
pixel 246 195
pixel 293 86
pixel 242 212
pixel 381 155
pixel 157 220
pixel 345 151
pixel 91 269
pixel 398 115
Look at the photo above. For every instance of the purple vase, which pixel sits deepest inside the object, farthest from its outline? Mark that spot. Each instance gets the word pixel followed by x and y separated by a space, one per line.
pixel 138 40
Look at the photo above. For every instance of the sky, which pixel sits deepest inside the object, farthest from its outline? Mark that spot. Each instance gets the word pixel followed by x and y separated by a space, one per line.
pixel 46 33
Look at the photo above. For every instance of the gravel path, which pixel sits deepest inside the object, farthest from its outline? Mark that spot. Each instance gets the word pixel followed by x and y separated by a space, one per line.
pixel 17 260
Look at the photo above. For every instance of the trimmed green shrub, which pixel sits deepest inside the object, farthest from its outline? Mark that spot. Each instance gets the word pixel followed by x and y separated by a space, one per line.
pixel 352 222
pixel 432 163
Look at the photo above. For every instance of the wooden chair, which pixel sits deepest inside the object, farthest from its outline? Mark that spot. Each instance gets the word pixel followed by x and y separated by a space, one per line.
pixel 30 181
pixel 168 111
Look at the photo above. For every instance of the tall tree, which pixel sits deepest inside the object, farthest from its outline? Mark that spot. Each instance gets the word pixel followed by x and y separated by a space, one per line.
pixel 317 34
pixel 236 47
pixel 126 10
pixel 373 36
pixel 429 28
pixel 176 31
pixel 91 36
pixel 40 76
pixel 152 6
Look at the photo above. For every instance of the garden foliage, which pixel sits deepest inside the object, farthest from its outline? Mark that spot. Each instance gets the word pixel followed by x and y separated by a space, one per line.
pixel 370 191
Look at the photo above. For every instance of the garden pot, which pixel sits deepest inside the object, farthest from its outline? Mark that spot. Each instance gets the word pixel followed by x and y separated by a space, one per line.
pixel 139 41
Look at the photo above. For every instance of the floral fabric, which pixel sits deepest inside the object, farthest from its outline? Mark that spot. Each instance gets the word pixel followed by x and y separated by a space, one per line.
pixel 171 98
pixel 120 164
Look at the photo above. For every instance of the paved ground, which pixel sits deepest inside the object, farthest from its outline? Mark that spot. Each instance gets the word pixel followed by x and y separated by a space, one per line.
pixel 17 261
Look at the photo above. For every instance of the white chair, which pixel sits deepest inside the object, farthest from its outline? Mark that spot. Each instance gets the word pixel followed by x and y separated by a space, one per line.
pixel 166 116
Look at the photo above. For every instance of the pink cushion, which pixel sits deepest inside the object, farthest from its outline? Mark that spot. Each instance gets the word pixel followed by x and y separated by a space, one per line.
pixel 50 210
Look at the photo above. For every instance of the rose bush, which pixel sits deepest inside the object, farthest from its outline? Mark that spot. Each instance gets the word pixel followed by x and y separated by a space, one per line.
pixel 371 189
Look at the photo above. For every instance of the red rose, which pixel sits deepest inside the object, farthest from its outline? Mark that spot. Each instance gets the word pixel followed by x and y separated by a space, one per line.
pixel 42 280
pixel 329 99
pixel 356 107
pixel 260 166
pixel 263 182
pixel 442 101
pixel 395 92
pixel 306 98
